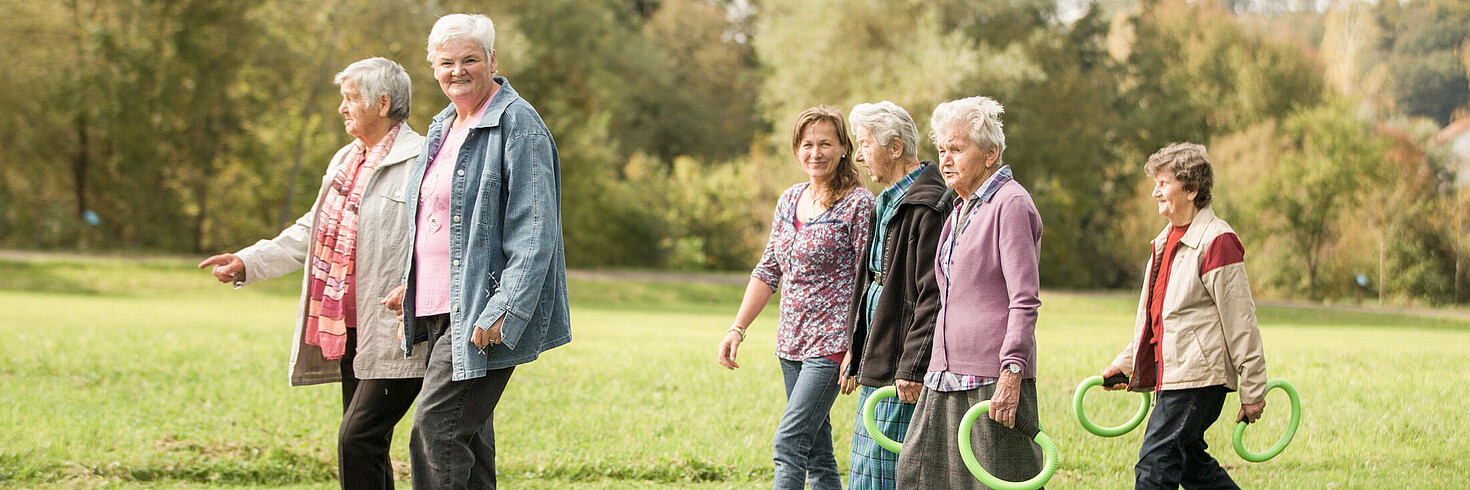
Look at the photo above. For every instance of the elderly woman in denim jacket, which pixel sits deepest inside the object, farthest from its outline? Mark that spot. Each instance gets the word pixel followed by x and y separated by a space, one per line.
pixel 816 232
pixel 891 317
pixel 487 283
pixel 354 242
pixel 1195 338
pixel 985 334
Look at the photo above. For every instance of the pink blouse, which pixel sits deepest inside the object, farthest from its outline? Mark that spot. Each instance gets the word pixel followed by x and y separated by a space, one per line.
pixel 431 240
pixel 817 266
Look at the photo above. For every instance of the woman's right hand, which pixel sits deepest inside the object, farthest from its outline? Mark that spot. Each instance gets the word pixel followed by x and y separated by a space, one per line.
pixel 228 268
pixel 728 347
pixel 1109 372
pixel 846 384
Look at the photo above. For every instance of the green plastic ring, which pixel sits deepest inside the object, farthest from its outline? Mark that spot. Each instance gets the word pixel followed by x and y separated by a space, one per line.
pixel 1296 419
pixel 869 407
pixel 1127 427
pixel 967 452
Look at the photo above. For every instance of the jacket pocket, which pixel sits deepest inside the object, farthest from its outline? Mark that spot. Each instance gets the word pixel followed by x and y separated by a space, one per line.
pixel 395 194
pixel 1188 361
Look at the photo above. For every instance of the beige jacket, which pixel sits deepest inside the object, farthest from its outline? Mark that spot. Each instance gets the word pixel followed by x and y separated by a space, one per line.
pixel 1210 333
pixel 382 254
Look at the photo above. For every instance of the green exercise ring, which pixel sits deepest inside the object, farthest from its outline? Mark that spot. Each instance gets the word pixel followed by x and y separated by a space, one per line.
pixel 1127 427
pixel 1296 419
pixel 967 452
pixel 869 407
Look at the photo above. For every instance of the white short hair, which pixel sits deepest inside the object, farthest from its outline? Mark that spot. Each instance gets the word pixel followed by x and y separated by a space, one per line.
pixel 980 116
pixel 375 77
pixel 455 27
pixel 886 121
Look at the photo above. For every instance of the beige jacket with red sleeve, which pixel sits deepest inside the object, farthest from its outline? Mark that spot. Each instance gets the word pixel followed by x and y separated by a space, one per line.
pixel 1210 333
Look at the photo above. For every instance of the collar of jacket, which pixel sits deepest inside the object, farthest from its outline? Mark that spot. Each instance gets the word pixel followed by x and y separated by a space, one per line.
pixel 928 188
pixel 501 100
pixel 405 147
pixel 1194 235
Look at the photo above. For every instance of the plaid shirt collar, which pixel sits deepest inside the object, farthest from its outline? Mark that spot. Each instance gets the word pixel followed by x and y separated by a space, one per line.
pixel 992 184
pixel 888 200
pixel 886 208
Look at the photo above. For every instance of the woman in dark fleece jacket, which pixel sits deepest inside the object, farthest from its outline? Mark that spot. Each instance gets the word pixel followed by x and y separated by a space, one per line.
pixel 891 320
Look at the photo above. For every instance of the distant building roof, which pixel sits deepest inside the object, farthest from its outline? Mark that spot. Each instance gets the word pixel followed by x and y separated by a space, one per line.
pixel 1454 130
pixel 1457 137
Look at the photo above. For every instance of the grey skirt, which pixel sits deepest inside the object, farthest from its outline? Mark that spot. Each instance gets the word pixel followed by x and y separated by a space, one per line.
pixel 931 450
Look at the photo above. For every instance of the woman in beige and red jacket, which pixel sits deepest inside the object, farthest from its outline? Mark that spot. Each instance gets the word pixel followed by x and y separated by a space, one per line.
pixel 1195 338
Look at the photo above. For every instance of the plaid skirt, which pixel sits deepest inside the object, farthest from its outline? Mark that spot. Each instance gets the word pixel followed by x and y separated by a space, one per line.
pixel 872 467
pixel 931 457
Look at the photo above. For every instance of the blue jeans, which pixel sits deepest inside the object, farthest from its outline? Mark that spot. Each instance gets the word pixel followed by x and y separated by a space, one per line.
pixel 803 446
pixel 1173 452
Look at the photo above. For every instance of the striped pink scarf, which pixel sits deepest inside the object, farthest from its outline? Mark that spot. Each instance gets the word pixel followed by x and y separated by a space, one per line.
pixel 332 309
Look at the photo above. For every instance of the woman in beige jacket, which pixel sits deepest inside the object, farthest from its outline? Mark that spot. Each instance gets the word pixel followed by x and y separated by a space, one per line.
pixel 1195 338
pixel 354 244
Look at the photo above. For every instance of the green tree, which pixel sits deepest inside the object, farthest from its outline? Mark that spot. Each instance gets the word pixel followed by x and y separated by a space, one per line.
pixel 1331 154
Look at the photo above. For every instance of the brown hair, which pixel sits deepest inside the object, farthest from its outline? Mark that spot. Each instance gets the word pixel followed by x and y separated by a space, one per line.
pixel 1191 167
pixel 845 177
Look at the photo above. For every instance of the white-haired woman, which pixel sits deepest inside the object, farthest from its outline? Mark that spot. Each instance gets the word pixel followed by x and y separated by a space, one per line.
pixel 985 334
pixel 890 321
pixel 487 282
pixel 354 243
pixel 1195 338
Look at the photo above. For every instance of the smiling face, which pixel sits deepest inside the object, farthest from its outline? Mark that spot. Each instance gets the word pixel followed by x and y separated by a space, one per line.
pixel 965 165
pixel 819 150
pixel 1175 203
pixel 882 163
pixel 361 121
pixel 464 72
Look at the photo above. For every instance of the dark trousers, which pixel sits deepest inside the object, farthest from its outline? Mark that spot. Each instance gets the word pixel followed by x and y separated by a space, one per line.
pixel 370 409
pixel 1173 452
pixel 453 443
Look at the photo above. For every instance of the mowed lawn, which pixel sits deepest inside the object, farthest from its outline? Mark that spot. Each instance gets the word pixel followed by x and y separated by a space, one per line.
pixel 145 373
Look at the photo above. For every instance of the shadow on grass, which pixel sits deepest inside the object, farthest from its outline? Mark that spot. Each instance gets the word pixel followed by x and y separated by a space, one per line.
pixel 1334 318
pixel 123 277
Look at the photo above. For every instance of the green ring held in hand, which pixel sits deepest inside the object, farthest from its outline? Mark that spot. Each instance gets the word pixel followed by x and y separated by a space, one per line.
pixel 1296 419
pixel 869 407
pixel 967 452
pixel 1107 431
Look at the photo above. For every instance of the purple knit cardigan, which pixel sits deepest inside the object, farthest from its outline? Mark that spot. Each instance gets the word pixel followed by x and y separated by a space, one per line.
pixel 987 316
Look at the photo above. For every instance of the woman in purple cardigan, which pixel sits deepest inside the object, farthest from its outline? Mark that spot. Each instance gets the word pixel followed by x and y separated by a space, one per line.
pixel 985 334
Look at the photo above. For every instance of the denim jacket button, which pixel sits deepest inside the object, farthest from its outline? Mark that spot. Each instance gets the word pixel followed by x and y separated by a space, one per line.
pixel 456 219
pixel 456 262
pixel 461 171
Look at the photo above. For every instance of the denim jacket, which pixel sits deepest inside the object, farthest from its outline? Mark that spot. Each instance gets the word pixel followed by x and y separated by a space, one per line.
pixel 505 241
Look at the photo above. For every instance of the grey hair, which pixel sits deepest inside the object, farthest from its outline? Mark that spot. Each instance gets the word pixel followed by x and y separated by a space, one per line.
pixel 1190 164
pixel 886 121
pixel 981 115
pixel 375 77
pixel 454 27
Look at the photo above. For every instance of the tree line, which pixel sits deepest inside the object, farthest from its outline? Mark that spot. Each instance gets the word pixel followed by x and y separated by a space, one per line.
pixel 193 126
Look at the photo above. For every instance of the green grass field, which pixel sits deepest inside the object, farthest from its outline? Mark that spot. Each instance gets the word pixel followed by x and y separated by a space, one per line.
pixel 145 373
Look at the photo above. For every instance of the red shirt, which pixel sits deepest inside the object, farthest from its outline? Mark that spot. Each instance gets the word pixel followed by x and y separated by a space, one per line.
pixel 1152 350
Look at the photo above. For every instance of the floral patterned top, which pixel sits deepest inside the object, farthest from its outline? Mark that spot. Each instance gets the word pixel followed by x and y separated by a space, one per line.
pixel 818 267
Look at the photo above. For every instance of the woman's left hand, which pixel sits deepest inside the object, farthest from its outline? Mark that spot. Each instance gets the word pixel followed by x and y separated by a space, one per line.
pixel 482 337
pixel 1007 396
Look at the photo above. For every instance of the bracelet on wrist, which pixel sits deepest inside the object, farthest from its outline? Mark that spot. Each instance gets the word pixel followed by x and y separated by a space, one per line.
pixel 737 329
